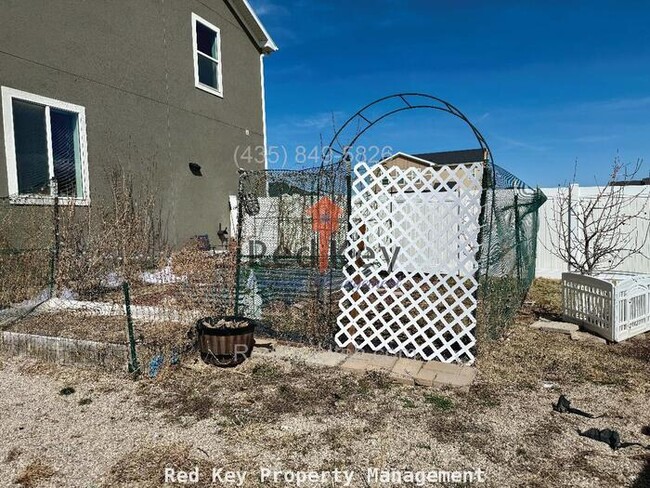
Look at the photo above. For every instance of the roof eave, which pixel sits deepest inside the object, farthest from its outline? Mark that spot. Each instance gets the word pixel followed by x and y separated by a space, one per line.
pixel 254 25
pixel 406 156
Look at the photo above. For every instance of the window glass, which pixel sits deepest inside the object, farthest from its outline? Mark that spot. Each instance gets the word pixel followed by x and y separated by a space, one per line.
pixel 65 152
pixel 208 72
pixel 30 140
pixel 206 40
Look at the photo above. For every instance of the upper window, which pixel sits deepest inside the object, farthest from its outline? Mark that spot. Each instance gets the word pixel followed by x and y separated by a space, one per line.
pixel 207 56
pixel 45 148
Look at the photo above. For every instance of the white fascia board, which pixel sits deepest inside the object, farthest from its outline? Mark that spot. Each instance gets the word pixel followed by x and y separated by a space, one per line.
pixel 254 25
pixel 406 156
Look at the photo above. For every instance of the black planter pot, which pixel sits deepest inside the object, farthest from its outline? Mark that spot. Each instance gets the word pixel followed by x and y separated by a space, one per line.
pixel 225 347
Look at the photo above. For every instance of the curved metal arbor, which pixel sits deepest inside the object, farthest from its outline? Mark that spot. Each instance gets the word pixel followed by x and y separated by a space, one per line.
pixel 405 102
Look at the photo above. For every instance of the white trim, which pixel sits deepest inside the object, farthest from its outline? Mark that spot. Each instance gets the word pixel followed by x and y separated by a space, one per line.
pixel 48 138
pixel 10 144
pixel 266 147
pixel 406 156
pixel 420 160
pixel 254 25
pixel 8 94
pixel 195 53
pixel 268 43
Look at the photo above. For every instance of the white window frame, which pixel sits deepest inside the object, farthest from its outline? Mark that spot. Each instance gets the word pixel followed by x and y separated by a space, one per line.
pixel 8 96
pixel 196 53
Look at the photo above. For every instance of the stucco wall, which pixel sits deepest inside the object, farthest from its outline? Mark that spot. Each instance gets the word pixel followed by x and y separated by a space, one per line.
pixel 130 64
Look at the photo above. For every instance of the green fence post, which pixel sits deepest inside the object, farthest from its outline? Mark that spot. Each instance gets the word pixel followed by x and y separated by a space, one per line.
pixel 238 256
pixel 134 366
pixel 517 239
pixel 54 253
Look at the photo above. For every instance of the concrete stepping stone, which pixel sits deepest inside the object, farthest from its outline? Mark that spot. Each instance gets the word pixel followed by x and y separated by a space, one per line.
pixel 361 362
pixel 587 337
pixel 405 371
pixel 400 370
pixel 557 327
pixel 435 373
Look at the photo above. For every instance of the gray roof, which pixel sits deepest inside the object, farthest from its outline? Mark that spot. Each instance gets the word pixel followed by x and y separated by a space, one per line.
pixel 644 181
pixel 454 157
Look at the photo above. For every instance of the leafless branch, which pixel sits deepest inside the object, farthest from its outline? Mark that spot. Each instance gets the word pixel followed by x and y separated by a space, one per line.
pixel 598 233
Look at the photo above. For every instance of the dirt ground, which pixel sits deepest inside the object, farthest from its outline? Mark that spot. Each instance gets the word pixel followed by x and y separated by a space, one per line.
pixel 71 427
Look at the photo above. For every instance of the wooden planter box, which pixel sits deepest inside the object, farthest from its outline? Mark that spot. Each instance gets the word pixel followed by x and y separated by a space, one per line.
pixel 223 346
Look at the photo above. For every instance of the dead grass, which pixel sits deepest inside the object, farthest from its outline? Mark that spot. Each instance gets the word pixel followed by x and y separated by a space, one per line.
pixel 111 329
pixel 13 454
pixel 145 467
pixel 544 299
pixel 527 357
pixel 259 392
pixel 269 411
pixel 34 473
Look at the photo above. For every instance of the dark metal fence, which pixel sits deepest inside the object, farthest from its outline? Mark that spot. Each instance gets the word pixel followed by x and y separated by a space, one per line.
pixel 291 230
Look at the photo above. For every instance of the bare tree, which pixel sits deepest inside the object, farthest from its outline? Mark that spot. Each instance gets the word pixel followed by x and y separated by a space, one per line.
pixel 597 233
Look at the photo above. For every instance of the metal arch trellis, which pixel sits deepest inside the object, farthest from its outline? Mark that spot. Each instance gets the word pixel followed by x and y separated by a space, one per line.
pixel 414 101
pixel 505 260
pixel 279 207
pixel 441 105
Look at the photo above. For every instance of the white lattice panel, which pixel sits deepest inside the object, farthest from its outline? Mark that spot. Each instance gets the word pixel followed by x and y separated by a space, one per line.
pixel 428 221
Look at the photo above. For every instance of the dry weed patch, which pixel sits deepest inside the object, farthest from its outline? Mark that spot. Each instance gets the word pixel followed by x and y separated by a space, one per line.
pixel 34 473
pixel 145 467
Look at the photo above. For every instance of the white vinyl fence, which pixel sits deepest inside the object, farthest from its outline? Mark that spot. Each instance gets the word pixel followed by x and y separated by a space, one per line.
pixel 637 200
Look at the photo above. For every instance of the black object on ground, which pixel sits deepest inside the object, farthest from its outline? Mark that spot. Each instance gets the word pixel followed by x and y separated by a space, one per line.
pixel 68 390
pixel 645 430
pixel 564 406
pixel 610 437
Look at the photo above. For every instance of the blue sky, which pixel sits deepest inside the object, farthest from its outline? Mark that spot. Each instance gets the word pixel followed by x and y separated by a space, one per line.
pixel 547 82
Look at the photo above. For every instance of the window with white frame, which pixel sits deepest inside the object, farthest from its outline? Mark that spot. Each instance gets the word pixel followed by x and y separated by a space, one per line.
pixel 207 56
pixel 45 148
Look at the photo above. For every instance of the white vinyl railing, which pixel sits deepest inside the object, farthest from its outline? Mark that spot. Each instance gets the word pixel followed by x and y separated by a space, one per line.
pixel 615 306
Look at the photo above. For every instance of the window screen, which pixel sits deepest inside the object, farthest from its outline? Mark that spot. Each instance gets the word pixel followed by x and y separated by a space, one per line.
pixel 30 139
pixel 65 152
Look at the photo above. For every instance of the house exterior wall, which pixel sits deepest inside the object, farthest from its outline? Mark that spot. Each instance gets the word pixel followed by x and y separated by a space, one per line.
pixel 130 64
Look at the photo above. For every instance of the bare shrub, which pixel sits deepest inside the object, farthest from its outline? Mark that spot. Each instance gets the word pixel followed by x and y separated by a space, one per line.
pixel 26 244
pixel 123 238
pixel 209 278
pixel 592 234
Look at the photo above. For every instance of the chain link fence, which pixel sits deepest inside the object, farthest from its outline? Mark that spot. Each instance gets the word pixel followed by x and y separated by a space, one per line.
pixel 291 231
pixel 107 277
pixel 508 249
pixel 102 286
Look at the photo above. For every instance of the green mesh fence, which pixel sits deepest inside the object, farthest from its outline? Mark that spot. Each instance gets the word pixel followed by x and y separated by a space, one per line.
pixel 287 268
pixel 290 279
pixel 292 227
pixel 508 248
